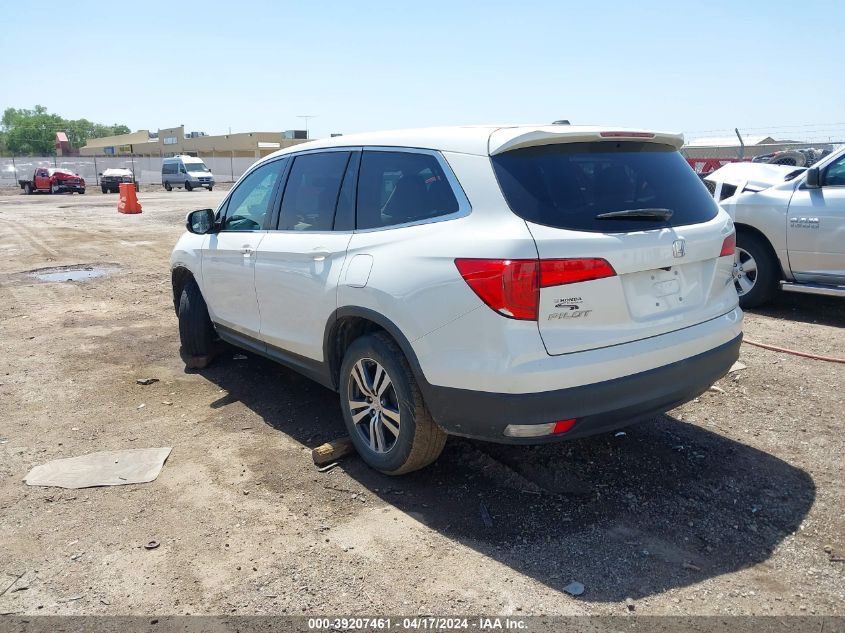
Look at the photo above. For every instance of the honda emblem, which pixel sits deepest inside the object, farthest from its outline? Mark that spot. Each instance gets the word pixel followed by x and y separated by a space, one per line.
pixel 679 248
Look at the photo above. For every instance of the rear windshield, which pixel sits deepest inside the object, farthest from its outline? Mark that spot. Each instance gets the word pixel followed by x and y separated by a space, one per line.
pixel 567 185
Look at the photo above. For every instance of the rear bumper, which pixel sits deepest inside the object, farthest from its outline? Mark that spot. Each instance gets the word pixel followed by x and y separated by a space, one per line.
pixel 598 407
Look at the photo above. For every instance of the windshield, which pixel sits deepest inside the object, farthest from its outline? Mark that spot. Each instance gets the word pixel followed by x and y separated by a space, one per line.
pixel 571 185
pixel 194 167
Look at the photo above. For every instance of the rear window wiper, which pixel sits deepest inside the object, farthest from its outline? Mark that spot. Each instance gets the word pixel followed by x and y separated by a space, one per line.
pixel 634 214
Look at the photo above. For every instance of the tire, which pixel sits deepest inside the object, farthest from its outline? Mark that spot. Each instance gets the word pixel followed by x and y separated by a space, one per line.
pixel 54 189
pixel 167 187
pixel 419 441
pixel 209 188
pixel 105 189
pixel 754 287
pixel 196 333
pixel 188 186
pixel 27 189
pixel 82 192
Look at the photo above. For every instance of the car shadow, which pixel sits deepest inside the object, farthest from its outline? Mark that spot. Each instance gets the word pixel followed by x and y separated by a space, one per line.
pixel 793 306
pixel 663 504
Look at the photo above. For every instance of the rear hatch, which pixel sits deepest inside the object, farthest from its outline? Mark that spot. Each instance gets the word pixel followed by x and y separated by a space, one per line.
pixel 633 202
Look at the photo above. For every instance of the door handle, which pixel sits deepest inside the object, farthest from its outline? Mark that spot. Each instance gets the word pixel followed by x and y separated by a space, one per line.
pixel 247 251
pixel 319 254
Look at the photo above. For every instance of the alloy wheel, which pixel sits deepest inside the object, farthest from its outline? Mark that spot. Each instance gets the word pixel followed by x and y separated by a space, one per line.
pixel 744 272
pixel 374 405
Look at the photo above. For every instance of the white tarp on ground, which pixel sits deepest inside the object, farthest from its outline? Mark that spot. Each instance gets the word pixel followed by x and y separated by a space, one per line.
pixel 106 468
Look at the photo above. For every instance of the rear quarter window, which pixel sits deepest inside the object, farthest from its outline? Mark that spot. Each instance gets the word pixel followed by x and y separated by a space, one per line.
pixel 400 188
pixel 567 185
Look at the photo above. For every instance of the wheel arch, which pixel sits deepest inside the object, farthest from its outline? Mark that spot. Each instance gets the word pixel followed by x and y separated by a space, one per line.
pixel 351 322
pixel 180 276
pixel 751 230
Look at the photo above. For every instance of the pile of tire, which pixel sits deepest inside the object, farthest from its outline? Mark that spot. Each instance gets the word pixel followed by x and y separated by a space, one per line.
pixel 793 157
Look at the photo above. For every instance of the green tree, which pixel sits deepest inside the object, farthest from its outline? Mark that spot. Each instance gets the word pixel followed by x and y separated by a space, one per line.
pixel 33 131
pixel 30 131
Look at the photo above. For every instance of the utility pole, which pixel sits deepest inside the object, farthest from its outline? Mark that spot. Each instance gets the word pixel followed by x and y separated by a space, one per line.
pixel 306 117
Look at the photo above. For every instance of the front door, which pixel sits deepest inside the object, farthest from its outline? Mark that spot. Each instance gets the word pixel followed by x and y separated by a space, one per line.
pixel 816 228
pixel 42 179
pixel 299 264
pixel 228 257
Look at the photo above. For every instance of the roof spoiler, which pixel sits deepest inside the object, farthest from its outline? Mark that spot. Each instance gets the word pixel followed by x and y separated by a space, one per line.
pixel 508 139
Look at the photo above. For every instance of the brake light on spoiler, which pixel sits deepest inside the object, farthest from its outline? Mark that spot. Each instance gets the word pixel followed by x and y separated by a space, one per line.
pixel 623 134
pixel 511 287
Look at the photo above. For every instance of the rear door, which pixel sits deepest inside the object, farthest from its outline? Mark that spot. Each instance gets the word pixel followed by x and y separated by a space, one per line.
pixel 815 232
pixel 228 256
pixel 298 264
pixel 638 272
pixel 167 169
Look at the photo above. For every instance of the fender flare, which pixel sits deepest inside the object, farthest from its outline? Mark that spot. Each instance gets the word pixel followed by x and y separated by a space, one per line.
pixel 383 322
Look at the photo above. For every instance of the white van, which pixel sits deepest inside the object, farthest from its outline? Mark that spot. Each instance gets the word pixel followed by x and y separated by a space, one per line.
pixel 185 171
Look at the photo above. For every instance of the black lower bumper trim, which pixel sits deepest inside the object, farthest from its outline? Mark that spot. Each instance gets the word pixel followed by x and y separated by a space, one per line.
pixel 598 407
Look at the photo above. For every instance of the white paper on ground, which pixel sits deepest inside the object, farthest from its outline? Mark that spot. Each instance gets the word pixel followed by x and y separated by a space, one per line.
pixel 106 468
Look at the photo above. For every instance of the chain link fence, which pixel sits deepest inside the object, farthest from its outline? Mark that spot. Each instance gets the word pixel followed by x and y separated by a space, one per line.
pixel 147 169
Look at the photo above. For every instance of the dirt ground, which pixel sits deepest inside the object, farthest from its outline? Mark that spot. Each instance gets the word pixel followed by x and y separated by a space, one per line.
pixel 731 504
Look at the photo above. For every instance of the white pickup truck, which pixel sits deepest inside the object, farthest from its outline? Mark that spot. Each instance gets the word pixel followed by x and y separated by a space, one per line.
pixel 790 226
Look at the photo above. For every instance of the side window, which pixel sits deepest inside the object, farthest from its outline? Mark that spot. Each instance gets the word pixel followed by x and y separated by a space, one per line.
pixel 401 187
pixel 834 175
pixel 249 202
pixel 312 191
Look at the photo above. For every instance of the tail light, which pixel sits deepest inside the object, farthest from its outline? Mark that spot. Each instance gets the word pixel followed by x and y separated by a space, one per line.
pixel 511 287
pixel 728 246
pixel 557 272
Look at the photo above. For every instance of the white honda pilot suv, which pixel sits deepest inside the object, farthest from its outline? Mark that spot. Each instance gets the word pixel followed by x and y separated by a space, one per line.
pixel 514 284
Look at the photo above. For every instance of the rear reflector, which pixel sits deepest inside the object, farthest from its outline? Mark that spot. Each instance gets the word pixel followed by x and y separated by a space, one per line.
pixel 562 426
pixel 511 287
pixel 539 430
pixel 728 246
pixel 623 134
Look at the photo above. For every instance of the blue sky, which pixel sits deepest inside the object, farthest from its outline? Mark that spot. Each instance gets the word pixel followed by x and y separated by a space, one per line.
pixel 679 65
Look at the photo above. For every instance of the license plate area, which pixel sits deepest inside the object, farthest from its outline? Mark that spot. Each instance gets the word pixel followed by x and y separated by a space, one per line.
pixel 656 293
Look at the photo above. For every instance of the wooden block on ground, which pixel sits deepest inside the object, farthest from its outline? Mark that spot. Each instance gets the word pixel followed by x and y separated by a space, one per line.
pixel 197 362
pixel 332 451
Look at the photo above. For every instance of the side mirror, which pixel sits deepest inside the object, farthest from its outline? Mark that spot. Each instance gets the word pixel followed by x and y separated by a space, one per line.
pixel 100 174
pixel 813 178
pixel 200 222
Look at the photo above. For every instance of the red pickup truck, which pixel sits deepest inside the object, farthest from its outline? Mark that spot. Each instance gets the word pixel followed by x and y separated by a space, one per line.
pixel 53 180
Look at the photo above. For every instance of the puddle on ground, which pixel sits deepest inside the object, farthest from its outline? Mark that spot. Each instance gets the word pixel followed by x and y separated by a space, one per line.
pixel 79 272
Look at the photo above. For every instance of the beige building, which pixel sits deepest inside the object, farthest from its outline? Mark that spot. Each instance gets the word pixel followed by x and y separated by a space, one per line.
pixel 173 141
